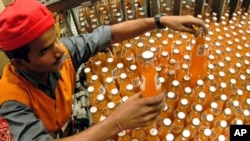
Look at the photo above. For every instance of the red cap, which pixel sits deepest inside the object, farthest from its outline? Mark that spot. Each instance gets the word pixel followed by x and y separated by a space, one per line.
pixel 22 21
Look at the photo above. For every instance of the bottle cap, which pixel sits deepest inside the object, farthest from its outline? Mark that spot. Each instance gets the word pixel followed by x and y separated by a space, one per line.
pixel 147 55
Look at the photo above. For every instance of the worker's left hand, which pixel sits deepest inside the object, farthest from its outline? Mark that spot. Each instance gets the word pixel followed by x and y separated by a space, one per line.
pixel 183 23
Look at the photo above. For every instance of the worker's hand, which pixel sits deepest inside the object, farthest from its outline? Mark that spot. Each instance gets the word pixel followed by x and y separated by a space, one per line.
pixel 138 111
pixel 183 23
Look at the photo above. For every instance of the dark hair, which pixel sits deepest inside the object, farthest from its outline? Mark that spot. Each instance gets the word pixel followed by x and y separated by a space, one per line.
pixel 20 53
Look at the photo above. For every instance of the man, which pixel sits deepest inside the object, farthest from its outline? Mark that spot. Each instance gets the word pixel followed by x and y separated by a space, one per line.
pixel 36 87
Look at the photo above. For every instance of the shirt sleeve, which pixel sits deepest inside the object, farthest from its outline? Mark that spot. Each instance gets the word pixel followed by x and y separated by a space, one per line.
pixel 23 124
pixel 84 46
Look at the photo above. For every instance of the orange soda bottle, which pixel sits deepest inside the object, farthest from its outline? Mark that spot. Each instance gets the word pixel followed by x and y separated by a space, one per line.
pixel 114 96
pixel 218 129
pixel 199 56
pixel 138 134
pixel 134 78
pixel 93 95
pixel 109 84
pixel 204 136
pixel 245 104
pixel 164 128
pixel 182 106
pixel 150 85
pixel 188 94
pixel 165 112
pixel 151 125
pixel 98 85
pixel 153 135
pixel 123 136
pixel 111 107
pixel 165 47
pixel 169 77
pixel 101 104
pixel 175 87
pixel 213 109
pixel 178 123
pixel 105 74
pixel 129 61
pixel 185 136
pixel 171 100
pixel 120 68
pixel 129 90
pixel 124 99
pixel 182 71
pixel 169 137
pixel 129 51
pixel 96 115
pixel 88 73
pixel 112 68
pixel 163 59
pixel 123 82
pixel 193 127
pixel 98 69
pixel 206 123
pixel 116 50
pixel 195 112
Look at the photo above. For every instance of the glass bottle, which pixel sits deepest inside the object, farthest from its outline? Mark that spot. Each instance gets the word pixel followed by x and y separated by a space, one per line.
pixel 182 106
pixel 153 135
pixel 169 77
pixel 93 95
pixel 150 85
pixel 111 107
pixel 129 51
pixel 188 94
pixel 112 68
pixel 206 122
pixel 218 129
pixel 185 136
pixel 123 82
pixel 101 103
pixel 88 72
pixel 199 57
pixel 105 74
pixel 129 90
pixel 195 112
pixel 178 123
pixel 193 127
pixel 213 109
pixel 171 100
pixel 109 84
pixel 184 70
pixel 134 78
pixel 96 115
pixel 120 68
pixel 98 85
pixel 123 136
pixel 165 113
pixel 169 137
pixel 204 136
pixel 138 134
pixel 114 96
pixel 164 128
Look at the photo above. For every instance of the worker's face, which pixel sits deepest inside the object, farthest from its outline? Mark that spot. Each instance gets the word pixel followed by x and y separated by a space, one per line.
pixel 46 53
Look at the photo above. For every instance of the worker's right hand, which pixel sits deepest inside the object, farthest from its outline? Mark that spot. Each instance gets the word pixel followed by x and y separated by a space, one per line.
pixel 138 111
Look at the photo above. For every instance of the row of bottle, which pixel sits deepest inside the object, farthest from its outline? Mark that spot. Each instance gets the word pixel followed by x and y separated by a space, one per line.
pixel 222 108
pixel 183 127
pixel 232 106
pixel 215 90
pixel 108 12
pixel 195 131
pixel 169 64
